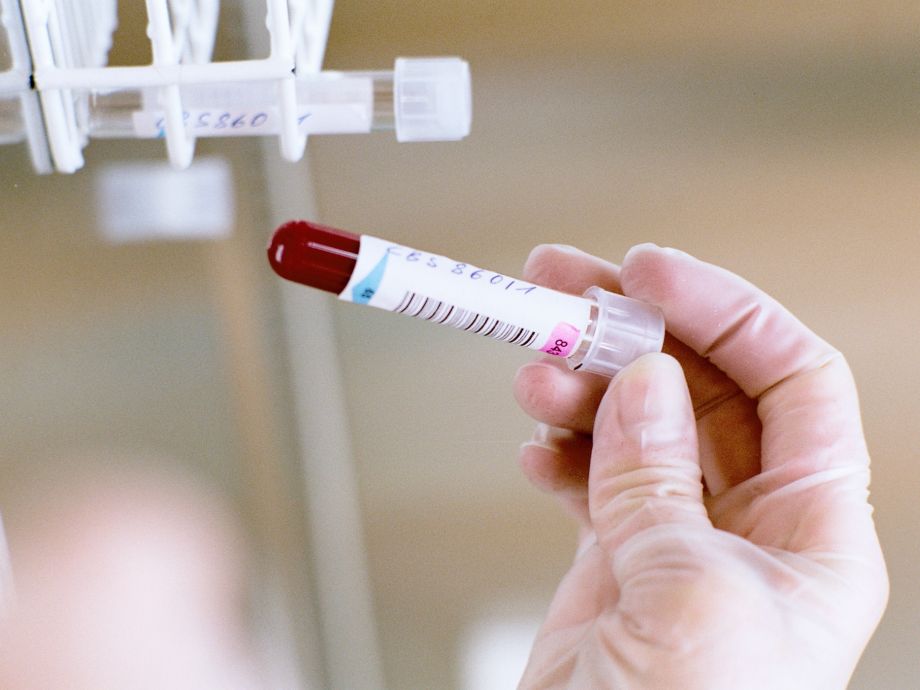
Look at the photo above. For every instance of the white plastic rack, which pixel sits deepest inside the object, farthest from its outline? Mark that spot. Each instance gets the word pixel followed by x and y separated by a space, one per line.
pixel 57 92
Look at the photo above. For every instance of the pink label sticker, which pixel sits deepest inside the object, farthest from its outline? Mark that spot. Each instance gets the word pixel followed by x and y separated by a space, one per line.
pixel 562 340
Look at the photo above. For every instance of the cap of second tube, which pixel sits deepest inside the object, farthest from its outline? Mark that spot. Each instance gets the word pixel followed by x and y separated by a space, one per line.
pixel 431 99
pixel 623 330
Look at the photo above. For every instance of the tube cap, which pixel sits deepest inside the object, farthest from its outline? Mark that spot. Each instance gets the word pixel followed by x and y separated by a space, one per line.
pixel 431 99
pixel 313 254
pixel 624 330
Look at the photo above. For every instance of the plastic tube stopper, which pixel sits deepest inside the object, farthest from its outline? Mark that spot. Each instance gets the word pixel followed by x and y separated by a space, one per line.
pixel 431 99
pixel 623 330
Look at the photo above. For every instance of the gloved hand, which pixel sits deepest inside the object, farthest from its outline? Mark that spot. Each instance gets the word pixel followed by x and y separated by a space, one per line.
pixel 727 539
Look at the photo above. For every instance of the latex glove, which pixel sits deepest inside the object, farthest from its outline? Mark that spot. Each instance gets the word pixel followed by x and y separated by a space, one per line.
pixel 727 537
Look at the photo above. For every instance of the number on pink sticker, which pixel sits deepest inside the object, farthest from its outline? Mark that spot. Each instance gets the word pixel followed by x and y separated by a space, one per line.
pixel 562 340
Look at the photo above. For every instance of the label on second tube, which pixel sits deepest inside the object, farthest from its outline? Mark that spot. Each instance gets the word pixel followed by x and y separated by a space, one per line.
pixel 457 294
pixel 322 118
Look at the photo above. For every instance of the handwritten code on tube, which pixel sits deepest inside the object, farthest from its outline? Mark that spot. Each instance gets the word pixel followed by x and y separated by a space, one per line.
pixel 421 307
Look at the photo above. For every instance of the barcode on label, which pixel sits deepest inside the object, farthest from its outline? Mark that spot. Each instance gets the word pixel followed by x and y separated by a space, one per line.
pixel 422 307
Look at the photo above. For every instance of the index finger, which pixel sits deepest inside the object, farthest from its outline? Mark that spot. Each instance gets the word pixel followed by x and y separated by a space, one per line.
pixel 806 396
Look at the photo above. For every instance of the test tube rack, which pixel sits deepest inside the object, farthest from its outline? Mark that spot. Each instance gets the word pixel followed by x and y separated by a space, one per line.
pixel 58 52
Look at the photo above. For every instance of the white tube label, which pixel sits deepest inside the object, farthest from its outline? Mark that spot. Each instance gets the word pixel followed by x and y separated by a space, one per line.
pixel 457 294
pixel 322 118
pixel 325 106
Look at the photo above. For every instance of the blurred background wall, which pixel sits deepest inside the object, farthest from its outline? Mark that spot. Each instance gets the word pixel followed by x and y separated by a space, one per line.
pixel 781 140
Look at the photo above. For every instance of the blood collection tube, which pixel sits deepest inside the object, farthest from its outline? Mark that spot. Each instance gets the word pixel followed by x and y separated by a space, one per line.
pixel 600 332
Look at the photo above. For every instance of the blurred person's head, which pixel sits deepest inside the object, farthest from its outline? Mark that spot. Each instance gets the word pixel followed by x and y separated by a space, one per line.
pixel 125 577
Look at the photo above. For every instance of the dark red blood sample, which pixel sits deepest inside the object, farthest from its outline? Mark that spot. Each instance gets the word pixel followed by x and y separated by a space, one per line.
pixel 314 255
